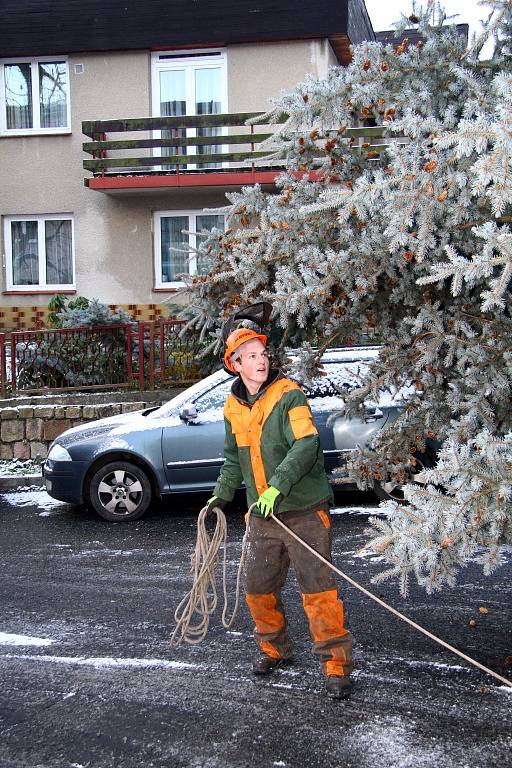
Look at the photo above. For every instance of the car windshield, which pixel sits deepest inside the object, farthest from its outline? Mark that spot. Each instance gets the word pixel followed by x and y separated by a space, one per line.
pixel 191 395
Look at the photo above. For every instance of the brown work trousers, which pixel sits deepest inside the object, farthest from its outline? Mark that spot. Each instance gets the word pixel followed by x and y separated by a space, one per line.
pixel 270 550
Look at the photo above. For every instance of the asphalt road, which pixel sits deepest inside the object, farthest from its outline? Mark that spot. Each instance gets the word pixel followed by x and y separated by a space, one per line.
pixel 107 690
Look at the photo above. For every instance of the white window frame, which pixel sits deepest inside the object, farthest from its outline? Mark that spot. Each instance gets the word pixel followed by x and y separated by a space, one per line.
pixel 192 239
pixel 42 285
pixel 211 58
pixel 36 117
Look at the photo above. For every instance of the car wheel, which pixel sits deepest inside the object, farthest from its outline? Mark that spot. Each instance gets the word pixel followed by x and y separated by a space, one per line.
pixel 392 489
pixel 120 491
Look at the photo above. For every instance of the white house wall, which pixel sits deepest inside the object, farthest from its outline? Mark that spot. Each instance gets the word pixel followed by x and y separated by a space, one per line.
pixel 113 234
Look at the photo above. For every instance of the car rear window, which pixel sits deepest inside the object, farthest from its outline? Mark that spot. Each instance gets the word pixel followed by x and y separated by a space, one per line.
pixel 339 379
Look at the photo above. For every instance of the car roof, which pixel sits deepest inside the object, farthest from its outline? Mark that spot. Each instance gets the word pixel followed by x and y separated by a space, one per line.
pixel 344 355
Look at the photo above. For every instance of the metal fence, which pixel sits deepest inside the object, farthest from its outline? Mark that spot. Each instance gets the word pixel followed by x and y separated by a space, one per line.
pixel 71 358
pixel 140 355
pixel 165 358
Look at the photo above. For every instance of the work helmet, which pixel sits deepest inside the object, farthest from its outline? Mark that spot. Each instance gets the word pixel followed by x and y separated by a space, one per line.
pixel 235 340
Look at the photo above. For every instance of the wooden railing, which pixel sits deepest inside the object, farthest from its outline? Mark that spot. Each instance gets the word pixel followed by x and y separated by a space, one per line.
pixel 195 143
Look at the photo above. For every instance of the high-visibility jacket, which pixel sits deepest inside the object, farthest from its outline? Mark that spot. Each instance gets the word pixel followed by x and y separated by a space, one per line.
pixel 273 441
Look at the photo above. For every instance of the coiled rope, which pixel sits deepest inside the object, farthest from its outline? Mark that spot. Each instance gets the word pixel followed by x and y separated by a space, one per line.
pixel 199 601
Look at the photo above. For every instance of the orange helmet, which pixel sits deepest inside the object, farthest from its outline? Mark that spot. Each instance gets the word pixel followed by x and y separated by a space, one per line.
pixel 236 339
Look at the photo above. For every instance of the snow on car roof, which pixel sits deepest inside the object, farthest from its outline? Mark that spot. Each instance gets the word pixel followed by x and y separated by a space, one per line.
pixel 350 354
pixel 348 374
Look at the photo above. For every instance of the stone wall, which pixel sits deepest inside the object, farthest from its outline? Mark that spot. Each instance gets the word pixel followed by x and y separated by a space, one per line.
pixel 26 431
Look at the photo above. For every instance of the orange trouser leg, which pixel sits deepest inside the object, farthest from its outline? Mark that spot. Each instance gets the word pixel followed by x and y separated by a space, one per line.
pixel 266 567
pixel 270 625
pixel 332 642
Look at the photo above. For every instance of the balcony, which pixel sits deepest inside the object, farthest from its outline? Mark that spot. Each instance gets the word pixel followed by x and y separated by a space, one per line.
pixel 216 151
pixel 165 152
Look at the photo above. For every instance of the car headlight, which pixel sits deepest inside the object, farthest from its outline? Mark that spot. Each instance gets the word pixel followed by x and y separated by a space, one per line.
pixel 58 453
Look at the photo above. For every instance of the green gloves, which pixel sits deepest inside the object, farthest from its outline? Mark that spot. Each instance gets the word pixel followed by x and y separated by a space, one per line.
pixel 215 501
pixel 269 501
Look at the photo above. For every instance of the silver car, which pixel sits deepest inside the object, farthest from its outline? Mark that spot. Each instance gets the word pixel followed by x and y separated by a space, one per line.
pixel 118 465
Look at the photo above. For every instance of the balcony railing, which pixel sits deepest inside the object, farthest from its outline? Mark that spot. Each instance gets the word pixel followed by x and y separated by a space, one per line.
pixel 195 144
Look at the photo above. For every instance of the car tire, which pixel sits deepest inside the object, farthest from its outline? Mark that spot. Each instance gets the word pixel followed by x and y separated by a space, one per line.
pixel 392 490
pixel 120 491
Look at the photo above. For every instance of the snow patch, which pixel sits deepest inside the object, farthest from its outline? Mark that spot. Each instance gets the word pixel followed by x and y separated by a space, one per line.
pixel 105 662
pixel 24 640
pixel 356 511
pixel 436 665
pixel 107 552
pixel 385 736
pixel 34 497
pixel 211 415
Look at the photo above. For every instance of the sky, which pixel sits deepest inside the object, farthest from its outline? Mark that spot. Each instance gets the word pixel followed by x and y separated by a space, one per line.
pixel 384 12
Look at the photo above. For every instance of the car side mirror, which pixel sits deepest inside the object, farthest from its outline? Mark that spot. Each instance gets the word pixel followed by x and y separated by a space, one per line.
pixel 189 414
pixel 372 413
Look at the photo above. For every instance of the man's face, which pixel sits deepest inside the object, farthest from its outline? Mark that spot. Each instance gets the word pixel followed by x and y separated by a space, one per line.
pixel 251 363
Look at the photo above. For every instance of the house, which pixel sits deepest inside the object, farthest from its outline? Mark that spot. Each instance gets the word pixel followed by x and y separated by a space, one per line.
pixel 115 68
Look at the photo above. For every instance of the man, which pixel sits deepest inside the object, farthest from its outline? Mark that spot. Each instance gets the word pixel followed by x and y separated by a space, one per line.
pixel 272 444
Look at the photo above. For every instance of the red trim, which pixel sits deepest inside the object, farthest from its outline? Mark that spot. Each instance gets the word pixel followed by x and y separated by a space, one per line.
pixel 234 179
pixel 34 293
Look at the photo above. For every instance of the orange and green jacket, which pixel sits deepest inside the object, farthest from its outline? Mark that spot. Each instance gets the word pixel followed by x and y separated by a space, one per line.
pixel 273 441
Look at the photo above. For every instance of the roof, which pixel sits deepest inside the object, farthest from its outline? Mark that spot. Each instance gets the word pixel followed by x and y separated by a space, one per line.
pixel 413 35
pixel 48 27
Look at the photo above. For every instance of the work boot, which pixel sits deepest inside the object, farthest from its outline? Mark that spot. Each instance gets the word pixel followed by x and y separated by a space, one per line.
pixel 338 687
pixel 264 665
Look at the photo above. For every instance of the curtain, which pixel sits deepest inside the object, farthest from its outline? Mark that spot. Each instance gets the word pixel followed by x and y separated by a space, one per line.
pixel 18 96
pixel 59 252
pixel 53 94
pixel 173 103
pixel 208 102
pixel 24 249
pixel 173 263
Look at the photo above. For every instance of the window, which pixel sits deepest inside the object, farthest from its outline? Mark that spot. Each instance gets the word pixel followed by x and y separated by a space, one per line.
pixel 39 252
pixel 177 233
pixel 194 83
pixel 34 96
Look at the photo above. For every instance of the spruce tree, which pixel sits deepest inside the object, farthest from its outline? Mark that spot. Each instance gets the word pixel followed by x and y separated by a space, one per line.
pixel 402 234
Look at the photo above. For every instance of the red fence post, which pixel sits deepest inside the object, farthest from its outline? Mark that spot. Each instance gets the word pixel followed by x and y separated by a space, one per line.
pixel 129 353
pixel 14 377
pixel 141 355
pixel 3 365
pixel 152 355
pixel 163 361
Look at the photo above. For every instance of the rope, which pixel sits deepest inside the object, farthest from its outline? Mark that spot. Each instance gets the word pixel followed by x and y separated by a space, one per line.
pixel 392 610
pixel 202 598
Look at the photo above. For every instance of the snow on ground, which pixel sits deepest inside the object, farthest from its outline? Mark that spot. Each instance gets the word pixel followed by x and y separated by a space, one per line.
pixel 34 496
pixel 24 640
pixel 105 661
pixel 20 467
